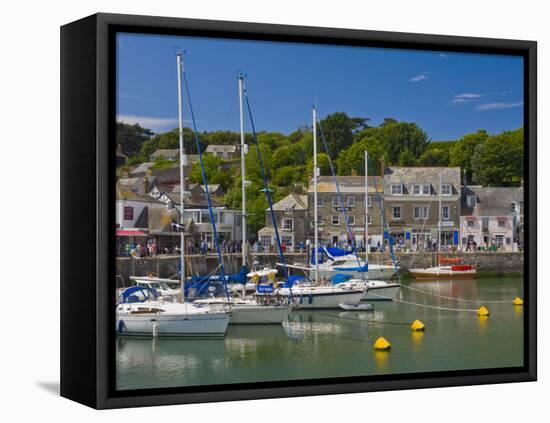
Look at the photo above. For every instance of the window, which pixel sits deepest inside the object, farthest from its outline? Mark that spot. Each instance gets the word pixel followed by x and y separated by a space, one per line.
pixel 128 213
pixel 351 219
pixel 396 212
pixel 446 189
pixel 265 241
pixel 351 200
pixel 205 217
pixel 471 201
pixel 508 240
pixel 369 219
pixel 470 223
pixel 335 219
pixel 288 210
pixel 335 201
pixel 501 223
pixel 369 201
pixel 421 212
pixel 288 224
pixel 445 212
pixel 513 207
pixel 421 189
pixel 397 189
pixel 286 240
pixel 484 224
pixel 320 201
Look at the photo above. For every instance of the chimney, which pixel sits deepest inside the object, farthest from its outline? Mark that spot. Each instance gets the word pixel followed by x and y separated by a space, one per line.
pixel 382 167
pixel 146 184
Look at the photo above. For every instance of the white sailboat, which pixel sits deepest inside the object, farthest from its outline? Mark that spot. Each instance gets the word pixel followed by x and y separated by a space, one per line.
pixel 248 310
pixel 308 295
pixel 140 311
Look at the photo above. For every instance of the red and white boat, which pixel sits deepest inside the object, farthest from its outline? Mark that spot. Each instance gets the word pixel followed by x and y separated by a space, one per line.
pixel 449 268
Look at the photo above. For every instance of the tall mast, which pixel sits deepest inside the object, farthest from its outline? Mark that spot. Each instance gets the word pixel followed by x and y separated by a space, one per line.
pixel 439 223
pixel 366 206
pixel 183 162
pixel 243 169
pixel 315 211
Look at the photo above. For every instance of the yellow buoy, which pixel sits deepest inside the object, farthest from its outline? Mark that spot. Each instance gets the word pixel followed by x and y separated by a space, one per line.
pixel 518 301
pixel 483 311
pixel 417 325
pixel 382 344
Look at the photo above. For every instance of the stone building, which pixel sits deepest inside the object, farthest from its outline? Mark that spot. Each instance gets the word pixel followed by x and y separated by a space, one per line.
pixel 226 152
pixel 411 204
pixel 291 214
pixel 492 217
pixel 332 222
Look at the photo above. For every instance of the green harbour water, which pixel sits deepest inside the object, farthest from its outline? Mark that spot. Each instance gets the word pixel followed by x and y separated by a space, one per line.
pixel 332 343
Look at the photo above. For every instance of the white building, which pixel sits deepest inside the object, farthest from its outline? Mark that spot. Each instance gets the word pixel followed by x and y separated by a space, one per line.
pixel 490 217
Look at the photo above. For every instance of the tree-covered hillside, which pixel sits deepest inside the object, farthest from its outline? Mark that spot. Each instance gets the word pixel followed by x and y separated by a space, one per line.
pixel 495 160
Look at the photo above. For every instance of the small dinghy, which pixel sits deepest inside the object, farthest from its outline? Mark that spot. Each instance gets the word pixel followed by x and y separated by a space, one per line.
pixel 356 307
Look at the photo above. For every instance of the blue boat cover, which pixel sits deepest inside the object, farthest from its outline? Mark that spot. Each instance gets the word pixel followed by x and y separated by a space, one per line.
pixel 128 295
pixel 339 278
pixel 291 280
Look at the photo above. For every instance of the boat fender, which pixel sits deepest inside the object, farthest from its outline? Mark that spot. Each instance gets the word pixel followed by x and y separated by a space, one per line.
pixel 121 326
pixel 518 301
pixel 310 299
pixel 418 326
pixel 301 299
pixel 155 329
pixel 483 311
pixel 382 344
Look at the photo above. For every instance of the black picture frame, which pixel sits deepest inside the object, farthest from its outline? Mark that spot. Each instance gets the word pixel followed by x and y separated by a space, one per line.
pixel 87 209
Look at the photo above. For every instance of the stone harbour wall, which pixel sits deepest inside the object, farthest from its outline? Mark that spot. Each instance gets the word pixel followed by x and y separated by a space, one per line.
pixel 166 266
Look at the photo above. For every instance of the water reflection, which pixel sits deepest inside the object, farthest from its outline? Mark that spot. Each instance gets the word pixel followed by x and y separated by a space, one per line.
pixel 317 344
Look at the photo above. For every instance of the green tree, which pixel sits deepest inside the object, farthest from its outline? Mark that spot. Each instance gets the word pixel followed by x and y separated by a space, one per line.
pixel 323 165
pixel 214 172
pixel 131 137
pixel 499 160
pixel 461 153
pixel 402 141
pixel 353 159
pixel 339 129
pixel 434 157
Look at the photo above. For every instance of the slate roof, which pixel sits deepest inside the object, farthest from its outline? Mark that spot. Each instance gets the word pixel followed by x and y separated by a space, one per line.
pixel 292 201
pixel 347 184
pixel 409 176
pixel 221 148
pixel 141 168
pixel 491 201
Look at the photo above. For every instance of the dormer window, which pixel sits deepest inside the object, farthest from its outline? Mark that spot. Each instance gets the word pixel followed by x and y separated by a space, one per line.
pixel 397 189
pixel 471 201
pixel 288 210
pixel 446 189
pixel 421 189
pixel 513 207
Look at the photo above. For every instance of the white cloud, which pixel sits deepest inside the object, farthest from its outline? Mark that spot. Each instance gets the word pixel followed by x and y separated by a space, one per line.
pixel 498 106
pixel 420 77
pixel 466 97
pixel 151 122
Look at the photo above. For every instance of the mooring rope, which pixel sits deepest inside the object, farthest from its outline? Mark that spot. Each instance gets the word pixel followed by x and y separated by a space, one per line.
pixel 425 305
pixel 463 300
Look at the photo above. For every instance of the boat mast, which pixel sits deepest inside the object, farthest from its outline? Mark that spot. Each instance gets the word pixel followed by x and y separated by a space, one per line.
pixel 183 162
pixel 315 211
pixel 366 207
pixel 243 170
pixel 439 223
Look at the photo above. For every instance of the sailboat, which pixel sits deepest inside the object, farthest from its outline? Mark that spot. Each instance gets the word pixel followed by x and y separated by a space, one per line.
pixel 447 268
pixel 246 310
pixel 140 311
pixel 310 294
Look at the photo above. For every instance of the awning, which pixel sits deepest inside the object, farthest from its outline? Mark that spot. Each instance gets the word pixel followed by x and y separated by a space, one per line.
pixel 502 217
pixel 130 232
pixel 471 218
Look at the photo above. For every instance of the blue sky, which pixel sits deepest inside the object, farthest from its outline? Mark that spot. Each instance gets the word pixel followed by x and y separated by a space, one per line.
pixel 447 94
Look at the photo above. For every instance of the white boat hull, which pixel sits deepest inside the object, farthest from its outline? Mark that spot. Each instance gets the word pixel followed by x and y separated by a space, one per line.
pixel 319 298
pixel 442 273
pixel 374 272
pixel 179 320
pixel 381 293
pixel 258 315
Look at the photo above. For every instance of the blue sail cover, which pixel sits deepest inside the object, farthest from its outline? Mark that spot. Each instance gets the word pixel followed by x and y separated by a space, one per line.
pixel 330 252
pixel 291 280
pixel 339 278
pixel 231 278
